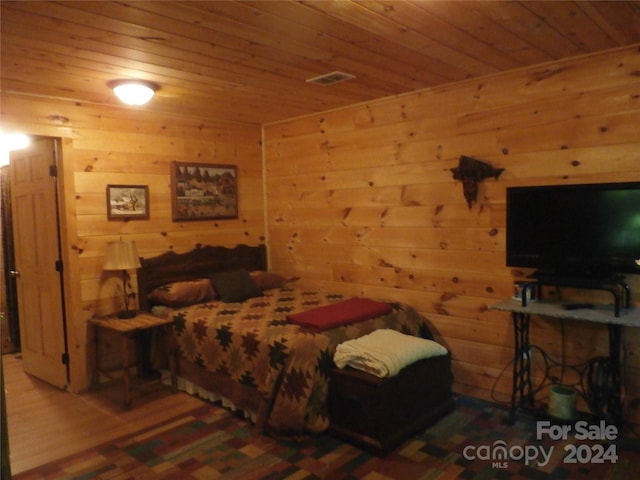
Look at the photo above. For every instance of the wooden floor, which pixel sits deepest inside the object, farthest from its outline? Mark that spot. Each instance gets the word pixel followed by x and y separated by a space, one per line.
pixel 46 423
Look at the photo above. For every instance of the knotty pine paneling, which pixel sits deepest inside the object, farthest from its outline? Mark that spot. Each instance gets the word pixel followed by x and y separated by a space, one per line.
pixel 362 200
pixel 129 146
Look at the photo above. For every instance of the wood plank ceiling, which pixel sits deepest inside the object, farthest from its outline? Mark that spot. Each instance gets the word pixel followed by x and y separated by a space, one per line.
pixel 248 61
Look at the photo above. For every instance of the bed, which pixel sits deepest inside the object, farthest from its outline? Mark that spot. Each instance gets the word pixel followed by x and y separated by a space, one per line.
pixel 248 352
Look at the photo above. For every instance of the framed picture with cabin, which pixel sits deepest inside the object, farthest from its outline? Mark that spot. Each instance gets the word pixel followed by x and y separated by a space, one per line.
pixel 203 191
pixel 127 202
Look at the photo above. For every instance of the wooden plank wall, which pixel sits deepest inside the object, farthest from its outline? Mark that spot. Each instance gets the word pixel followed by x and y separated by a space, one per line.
pixel 128 146
pixel 362 200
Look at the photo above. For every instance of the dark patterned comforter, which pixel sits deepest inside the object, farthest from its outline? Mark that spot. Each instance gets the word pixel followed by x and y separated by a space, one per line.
pixel 250 349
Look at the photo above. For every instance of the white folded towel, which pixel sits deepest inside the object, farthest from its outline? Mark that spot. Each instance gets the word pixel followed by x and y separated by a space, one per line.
pixel 385 352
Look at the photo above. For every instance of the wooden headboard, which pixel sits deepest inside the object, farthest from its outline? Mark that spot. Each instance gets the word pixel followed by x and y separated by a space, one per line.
pixel 197 263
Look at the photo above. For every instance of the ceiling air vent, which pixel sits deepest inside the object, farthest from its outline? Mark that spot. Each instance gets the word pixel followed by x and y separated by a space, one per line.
pixel 329 78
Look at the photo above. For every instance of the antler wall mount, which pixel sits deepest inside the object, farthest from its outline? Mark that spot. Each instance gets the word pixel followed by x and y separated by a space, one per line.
pixel 471 172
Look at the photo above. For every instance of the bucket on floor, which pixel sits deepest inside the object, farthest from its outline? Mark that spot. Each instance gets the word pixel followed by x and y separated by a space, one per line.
pixel 562 402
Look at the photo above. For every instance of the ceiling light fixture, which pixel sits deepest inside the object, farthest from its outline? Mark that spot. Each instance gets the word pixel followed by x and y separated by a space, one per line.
pixel 13 141
pixel 133 92
pixel 10 142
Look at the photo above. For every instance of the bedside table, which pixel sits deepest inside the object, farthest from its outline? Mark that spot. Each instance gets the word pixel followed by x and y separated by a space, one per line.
pixel 127 328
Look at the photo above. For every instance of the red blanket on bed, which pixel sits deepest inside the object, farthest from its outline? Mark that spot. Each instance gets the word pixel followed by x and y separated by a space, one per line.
pixel 342 313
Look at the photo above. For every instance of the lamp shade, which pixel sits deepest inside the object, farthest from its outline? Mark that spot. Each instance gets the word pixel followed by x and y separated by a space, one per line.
pixel 133 92
pixel 121 255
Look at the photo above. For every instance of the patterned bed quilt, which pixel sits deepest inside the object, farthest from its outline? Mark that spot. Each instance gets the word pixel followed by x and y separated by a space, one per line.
pixel 252 346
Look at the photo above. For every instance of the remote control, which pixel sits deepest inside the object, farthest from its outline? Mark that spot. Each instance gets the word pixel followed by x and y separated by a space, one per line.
pixel 577 306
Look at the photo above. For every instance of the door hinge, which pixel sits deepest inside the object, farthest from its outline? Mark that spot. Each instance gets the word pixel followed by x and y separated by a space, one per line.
pixel 59 266
pixel 53 170
pixel 65 358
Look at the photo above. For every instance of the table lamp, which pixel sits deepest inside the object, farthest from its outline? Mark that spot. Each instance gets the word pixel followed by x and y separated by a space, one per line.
pixel 122 255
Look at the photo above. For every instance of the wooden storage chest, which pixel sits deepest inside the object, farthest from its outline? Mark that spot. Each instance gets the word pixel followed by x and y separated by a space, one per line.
pixel 378 414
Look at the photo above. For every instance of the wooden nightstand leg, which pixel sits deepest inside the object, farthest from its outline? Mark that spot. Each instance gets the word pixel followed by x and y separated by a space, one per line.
pixel 125 371
pixel 171 352
pixel 96 366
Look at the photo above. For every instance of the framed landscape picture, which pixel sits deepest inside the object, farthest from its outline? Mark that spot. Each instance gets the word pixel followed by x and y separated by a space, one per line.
pixel 203 191
pixel 127 202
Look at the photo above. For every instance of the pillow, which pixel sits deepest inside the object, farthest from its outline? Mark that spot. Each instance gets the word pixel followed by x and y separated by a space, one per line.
pixel 234 286
pixel 267 280
pixel 181 294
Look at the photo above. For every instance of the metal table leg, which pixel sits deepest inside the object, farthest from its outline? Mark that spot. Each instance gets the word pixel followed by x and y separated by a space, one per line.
pixel 521 389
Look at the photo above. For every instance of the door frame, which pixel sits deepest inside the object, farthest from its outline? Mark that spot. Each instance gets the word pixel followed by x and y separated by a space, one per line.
pixel 57 158
pixel 77 339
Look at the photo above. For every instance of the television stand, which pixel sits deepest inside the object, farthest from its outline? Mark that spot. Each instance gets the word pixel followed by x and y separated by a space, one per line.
pixel 615 285
pixel 604 395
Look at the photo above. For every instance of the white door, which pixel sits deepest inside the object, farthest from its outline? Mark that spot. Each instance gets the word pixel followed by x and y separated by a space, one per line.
pixel 37 261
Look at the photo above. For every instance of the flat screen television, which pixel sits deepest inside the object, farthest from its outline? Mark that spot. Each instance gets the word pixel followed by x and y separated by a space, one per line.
pixel 588 230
